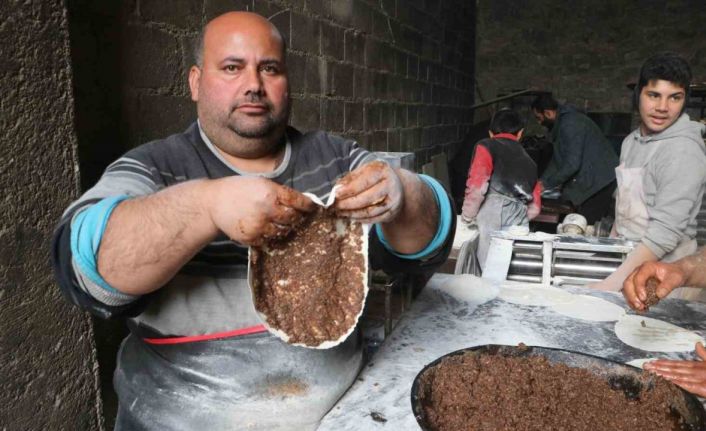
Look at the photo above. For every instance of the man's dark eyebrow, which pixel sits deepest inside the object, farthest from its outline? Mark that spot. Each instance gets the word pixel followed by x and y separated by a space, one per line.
pixel 271 61
pixel 233 59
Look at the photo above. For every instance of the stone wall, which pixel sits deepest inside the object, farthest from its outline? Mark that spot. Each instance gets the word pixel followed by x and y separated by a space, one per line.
pixel 397 75
pixel 48 378
pixel 585 52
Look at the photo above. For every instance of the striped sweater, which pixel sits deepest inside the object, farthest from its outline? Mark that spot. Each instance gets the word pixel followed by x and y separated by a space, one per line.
pixel 210 293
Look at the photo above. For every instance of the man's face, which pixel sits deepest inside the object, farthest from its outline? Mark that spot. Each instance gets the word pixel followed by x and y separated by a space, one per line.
pixel 241 89
pixel 546 118
pixel 661 103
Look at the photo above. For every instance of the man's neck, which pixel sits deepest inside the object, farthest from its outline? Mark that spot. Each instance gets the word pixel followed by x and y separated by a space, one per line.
pixel 259 165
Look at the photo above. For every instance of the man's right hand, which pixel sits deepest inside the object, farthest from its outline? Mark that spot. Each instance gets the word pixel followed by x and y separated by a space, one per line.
pixel 670 277
pixel 251 209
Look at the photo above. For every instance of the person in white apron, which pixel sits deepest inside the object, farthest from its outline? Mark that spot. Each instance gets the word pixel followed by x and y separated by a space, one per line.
pixel 662 173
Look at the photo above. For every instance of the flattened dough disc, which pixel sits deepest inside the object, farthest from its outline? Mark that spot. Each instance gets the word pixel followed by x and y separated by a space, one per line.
pixel 531 295
pixel 586 307
pixel 655 335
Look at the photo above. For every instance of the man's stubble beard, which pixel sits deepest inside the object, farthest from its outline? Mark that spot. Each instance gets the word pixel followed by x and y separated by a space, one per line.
pixel 246 141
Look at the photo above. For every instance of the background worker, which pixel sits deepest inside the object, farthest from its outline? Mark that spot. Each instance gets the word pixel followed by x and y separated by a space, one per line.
pixel 688 271
pixel 502 188
pixel 583 160
pixel 162 240
pixel 662 172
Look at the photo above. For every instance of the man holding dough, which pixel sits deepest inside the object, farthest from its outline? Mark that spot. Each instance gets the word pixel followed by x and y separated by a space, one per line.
pixel 688 271
pixel 162 238
pixel 662 172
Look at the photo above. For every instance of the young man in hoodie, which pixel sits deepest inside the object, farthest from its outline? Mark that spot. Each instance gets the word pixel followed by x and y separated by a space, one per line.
pixel 662 172
pixel 502 188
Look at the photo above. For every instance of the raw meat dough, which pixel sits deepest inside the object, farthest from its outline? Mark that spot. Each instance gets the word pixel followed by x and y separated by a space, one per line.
pixel 655 335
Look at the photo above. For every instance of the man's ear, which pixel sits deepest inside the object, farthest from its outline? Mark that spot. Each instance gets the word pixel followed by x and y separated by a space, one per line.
pixel 194 81
pixel 519 134
pixel 549 113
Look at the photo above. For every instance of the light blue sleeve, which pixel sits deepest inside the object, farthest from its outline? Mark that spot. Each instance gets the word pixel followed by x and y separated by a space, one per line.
pixel 87 229
pixel 442 232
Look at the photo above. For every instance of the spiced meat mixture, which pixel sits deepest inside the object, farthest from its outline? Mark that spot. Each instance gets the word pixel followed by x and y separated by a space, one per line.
pixel 651 290
pixel 486 392
pixel 311 284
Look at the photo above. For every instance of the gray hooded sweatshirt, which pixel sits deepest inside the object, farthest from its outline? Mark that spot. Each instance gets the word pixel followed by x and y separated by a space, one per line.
pixel 675 177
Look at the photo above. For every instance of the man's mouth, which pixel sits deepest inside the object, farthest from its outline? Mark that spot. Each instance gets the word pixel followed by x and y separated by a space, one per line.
pixel 252 108
pixel 658 120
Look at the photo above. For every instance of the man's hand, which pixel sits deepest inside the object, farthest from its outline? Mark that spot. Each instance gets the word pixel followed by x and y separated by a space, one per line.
pixel 689 375
pixel 252 209
pixel 670 276
pixel 372 193
pixel 470 222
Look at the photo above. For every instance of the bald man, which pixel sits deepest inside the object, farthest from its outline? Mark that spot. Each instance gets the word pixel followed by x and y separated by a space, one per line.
pixel 161 241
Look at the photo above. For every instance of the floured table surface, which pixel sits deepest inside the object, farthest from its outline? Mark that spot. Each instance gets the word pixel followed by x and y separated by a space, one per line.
pixel 439 323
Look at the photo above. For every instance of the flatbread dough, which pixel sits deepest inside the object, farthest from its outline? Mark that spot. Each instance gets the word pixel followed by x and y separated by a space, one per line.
pixel 469 288
pixel 533 295
pixel 640 362
pixel 586 307
pixel 655 335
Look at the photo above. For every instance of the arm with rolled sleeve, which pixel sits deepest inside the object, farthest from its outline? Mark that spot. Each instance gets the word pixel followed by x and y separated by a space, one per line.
pixel 78 236
pixel 679 175
pixel 477 183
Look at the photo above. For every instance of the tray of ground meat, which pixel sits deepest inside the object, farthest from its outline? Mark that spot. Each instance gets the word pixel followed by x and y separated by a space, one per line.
pixel 496 387
pixel 309 287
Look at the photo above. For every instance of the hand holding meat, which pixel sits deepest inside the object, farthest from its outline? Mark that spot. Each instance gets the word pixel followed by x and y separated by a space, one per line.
pixel 250 210
pixel 370 194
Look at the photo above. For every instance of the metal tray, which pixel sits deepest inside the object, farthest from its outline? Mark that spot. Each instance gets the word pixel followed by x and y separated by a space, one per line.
pixel 625 377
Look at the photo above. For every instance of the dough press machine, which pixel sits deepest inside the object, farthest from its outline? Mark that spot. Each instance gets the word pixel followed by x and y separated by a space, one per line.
pixel 548 259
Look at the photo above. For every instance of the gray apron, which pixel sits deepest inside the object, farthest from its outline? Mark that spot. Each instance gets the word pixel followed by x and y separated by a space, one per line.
pixel 498 212
pixel 632 218
pixel 246 383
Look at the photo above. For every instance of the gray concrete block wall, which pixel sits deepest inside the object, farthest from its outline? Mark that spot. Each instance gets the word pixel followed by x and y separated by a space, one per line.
pixel 380 72
pixel 48 378
pixel 585 52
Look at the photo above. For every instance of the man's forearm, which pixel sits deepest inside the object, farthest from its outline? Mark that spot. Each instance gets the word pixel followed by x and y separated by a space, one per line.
pixel 148 239
pixel 694 268
pixel 416 225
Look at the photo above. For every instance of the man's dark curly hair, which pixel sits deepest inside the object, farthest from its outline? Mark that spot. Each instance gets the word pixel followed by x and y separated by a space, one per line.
pixel 666 66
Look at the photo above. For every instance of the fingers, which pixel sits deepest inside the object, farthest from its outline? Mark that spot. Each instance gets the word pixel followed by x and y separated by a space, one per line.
pixel 291 198
pixel 641 275
pixel 373 196
pixel 630 295
pixel 362 179
pixel 701 351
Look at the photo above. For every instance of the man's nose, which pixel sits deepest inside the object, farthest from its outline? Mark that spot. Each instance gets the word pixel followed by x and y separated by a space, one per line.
pixel 253 82
pixel 663 104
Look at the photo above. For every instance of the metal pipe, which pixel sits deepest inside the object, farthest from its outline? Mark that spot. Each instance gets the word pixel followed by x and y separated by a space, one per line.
pixel 593 269
pixel 525 278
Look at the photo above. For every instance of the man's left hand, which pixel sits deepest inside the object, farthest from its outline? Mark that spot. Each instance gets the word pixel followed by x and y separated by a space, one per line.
pixel 689 375
pixel 372 193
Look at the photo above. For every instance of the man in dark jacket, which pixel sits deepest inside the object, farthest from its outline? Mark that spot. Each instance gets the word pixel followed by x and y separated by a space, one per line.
pixel 583 161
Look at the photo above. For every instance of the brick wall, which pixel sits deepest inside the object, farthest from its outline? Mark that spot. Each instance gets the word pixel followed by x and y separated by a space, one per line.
pixel 585 52
pixel 396 75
